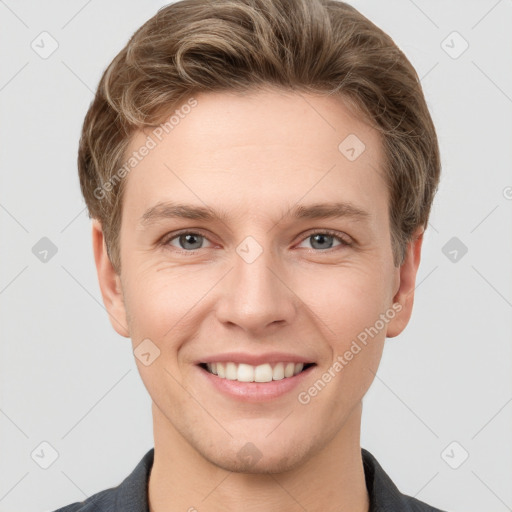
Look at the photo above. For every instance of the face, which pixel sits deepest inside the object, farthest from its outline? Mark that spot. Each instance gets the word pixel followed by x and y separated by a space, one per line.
pixel 255 245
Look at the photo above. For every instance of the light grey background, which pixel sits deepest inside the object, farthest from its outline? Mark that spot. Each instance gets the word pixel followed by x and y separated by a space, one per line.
pixel 68 379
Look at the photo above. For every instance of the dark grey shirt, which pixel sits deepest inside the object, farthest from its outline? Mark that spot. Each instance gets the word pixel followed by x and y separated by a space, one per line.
pixel 132 494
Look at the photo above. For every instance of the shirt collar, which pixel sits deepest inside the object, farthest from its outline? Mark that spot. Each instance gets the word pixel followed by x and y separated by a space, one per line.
pixel 383 493
pixel 132 494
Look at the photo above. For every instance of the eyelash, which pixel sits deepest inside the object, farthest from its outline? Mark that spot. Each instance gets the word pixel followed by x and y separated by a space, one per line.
pixel 343 241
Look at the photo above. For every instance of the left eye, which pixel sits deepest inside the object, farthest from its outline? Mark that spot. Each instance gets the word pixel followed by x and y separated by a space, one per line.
pixel 324 240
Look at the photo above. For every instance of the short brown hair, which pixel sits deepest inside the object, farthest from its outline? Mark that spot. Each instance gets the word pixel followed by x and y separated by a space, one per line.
pixel 311 46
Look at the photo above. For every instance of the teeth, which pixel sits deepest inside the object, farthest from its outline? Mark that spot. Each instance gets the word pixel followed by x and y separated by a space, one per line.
pixel 289 369
pixel 263 373
pixel 247 373
pixel 221 372
pixel 231 371
pixel 278 371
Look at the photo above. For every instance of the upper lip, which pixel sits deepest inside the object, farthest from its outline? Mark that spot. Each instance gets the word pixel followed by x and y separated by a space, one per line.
pixel 255 359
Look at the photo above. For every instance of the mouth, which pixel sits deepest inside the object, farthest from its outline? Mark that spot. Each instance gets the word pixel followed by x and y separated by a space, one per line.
pixel 267 372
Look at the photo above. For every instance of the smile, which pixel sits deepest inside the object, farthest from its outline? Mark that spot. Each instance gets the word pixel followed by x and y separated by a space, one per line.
pixel 266 372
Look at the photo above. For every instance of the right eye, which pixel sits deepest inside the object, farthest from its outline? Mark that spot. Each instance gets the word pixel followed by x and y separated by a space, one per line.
pixel 188 241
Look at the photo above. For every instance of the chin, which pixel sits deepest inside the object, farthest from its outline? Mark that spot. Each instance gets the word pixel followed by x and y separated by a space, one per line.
pixel 255 466
pixel 265 458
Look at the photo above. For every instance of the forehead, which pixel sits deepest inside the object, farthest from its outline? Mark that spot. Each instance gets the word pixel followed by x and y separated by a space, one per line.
pixel 252 151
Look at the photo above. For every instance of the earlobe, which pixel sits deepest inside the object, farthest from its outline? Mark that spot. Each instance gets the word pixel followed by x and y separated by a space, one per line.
pixel 109 281
pixel 407 283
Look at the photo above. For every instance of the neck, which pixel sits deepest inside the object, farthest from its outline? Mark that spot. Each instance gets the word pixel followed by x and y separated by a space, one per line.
pixel 330 480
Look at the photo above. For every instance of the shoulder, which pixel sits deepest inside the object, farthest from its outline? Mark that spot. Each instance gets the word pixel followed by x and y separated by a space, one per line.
pixel 103 501
pixel 130 495
pixel 384 494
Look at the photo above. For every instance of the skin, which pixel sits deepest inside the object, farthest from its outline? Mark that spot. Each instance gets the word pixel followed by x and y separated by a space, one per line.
pixel 255 156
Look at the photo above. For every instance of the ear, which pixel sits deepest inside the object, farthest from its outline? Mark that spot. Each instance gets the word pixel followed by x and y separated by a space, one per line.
pixel 406 285
pixel 109 281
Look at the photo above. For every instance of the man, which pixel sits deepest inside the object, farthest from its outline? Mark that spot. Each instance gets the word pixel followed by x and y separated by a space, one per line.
pixel 289 143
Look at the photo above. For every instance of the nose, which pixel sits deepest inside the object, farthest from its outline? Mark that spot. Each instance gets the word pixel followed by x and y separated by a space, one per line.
pixel 255 294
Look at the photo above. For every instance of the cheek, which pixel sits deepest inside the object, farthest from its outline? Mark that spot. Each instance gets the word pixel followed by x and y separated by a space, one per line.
pixel 349 305
pixel 161 306
pixel 158 300
pixel 349 317
pixel 346 300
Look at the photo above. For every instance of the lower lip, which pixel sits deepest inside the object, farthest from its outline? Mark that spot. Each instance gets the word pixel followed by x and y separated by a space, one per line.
pixel 256 391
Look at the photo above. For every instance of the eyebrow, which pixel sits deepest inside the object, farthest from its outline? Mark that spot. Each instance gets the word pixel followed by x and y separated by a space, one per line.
pixel 171 210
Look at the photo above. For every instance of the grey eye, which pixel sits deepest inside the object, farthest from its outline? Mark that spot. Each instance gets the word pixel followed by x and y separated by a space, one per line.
pixel 188 241
pixel 321 241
